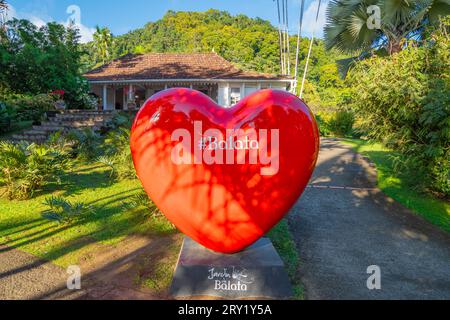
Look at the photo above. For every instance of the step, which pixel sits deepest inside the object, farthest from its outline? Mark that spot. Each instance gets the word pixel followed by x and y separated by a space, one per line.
pixel 48 128
pixel 68 119
pixel 107 112
pixel 57 123
pixel 29 138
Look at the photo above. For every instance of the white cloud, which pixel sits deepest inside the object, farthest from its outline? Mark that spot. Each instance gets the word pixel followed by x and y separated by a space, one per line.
pixel 86 33
pixel 309 19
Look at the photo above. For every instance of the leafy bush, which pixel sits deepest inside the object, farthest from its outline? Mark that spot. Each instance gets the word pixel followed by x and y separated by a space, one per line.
pixel 25 107
pixel 5 119
pixel 322 119
pixel 341 123
pixel 120 120
pixel 118 154
pixel 86 143
pixel 24 168
pixel 141 199
pixel 338 123
pixel 42 59
pixel 63 211
pixel 404 101
pixel 59 142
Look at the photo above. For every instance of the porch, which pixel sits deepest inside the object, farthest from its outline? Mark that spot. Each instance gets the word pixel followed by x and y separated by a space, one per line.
pixel 131 95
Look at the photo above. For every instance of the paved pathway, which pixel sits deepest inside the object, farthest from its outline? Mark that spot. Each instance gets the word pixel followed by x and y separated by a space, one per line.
pixel 110 275
pixel 23 276
pixel 341 231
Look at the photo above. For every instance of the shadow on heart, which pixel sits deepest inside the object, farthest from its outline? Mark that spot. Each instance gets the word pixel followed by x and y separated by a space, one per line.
pixel 224 206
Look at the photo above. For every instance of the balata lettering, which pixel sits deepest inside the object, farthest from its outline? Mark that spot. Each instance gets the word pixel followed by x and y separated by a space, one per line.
pixel 229 286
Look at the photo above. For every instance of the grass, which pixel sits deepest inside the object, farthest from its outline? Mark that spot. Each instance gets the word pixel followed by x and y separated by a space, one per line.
pixel 22 227
pixel 400 186
pixel 285 245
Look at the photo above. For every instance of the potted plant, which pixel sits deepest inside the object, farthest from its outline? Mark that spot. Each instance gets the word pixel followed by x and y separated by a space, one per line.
pixel 60 105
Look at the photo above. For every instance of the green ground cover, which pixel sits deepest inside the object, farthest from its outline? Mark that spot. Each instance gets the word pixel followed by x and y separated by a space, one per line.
pixel 400 186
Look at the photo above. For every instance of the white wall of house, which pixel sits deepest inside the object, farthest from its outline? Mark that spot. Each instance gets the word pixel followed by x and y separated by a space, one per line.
pixel 230 92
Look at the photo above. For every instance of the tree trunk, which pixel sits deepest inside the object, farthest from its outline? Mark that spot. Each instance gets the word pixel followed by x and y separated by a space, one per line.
pixel 394 46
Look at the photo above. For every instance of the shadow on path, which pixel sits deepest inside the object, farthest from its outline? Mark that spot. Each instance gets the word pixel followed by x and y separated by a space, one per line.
pixel 341 232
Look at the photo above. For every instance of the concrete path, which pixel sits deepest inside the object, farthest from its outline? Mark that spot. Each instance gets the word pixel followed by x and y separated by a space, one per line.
pixel 110 275
pixel 343 224
pixel 24 277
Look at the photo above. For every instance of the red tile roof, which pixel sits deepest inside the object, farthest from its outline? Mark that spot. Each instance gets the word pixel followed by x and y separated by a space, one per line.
pixel 167 66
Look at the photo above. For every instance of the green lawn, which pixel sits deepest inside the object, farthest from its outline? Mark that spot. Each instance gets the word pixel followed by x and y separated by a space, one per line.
pixel 22 227
pixel 400 187
pixel 285 245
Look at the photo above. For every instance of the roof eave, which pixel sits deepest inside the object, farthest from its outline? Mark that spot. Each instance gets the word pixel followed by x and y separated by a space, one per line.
pixel 103 81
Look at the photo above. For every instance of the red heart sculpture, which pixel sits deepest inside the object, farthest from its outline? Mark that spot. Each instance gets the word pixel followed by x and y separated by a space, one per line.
pixel 224 177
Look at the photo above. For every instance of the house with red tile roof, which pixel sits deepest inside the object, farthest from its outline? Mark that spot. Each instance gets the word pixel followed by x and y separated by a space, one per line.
pixel 127 82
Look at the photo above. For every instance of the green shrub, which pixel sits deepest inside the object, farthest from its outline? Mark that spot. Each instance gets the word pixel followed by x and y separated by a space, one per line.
pixel 120 120
pixel 404 101
pixel 322 122
pixel 141 199
pixel 25 107
pixel 5 119
pixel 118 154
pixel 25 168
pixel 86 143
pixel 339 124
pixel 63 211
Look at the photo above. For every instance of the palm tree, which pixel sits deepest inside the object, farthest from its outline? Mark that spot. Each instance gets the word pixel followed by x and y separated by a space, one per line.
pixel 347 29
pixel 103 41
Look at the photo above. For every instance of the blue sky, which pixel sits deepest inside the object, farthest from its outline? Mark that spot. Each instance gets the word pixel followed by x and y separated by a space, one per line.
pixel 123 16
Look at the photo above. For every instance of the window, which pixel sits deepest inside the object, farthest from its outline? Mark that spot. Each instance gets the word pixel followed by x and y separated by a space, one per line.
pixel 235 95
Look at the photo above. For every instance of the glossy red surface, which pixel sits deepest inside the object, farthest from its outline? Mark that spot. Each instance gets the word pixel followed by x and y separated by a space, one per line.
pixel 225 207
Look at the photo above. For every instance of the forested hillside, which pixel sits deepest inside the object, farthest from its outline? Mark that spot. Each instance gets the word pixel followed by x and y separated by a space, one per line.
pixel 249 43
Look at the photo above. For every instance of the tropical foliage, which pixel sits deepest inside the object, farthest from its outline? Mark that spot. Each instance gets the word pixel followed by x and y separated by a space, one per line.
pixel 103 41
pixel 117 155
pixel 63 211
pixel 86 143
pixel 41 60
pixel 348 29
pixel 26 168
pixel 250 43
pixel 404 101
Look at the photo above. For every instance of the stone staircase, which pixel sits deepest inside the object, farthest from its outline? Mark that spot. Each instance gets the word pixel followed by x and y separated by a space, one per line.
pixel 64 122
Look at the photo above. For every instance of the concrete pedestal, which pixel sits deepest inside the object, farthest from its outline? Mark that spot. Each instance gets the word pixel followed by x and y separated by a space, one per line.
pixel 255 273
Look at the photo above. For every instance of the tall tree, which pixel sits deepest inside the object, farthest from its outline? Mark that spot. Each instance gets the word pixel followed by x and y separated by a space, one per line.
pixel 348 30
pixel 103 41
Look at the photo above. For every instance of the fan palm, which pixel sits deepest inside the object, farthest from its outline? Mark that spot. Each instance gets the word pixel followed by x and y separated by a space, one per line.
pixel 347 30
pixel 103 41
